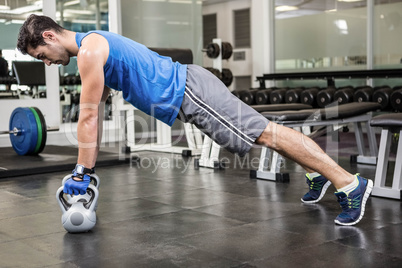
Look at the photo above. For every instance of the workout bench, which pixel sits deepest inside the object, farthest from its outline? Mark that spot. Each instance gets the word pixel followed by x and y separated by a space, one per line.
pixel 331 117
pixel 390 124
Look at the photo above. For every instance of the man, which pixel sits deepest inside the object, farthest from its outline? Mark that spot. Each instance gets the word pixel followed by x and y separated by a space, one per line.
pixel 3 65
pixel 168 90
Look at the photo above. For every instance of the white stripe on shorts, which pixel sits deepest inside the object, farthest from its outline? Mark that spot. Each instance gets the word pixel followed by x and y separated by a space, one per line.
pixel 221 119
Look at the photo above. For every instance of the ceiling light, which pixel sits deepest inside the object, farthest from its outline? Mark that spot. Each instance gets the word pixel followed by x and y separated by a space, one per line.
pixel 71 3
pixel 79 11
pixel 286 8
pixel 4 7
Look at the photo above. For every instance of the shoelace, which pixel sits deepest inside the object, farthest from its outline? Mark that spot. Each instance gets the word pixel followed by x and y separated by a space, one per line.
pixel 348 203
pixel 316 185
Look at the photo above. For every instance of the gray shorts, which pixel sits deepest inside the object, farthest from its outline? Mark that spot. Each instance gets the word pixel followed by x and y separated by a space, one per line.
pixel 210 106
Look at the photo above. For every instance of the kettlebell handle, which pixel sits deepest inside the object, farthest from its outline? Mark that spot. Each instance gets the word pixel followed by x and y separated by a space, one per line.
pixel 91 190
pixel 92 194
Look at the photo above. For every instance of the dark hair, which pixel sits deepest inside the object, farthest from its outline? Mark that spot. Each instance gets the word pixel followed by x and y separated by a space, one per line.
pixel 30 34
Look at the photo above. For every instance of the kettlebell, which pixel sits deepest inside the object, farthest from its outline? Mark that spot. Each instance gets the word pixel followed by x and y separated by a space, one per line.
pixel 79 216
pixel 72 199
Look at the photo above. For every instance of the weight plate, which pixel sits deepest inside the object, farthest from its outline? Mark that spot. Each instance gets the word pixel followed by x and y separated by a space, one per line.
pixel 39 127
pixel 43 128
pixel 23 142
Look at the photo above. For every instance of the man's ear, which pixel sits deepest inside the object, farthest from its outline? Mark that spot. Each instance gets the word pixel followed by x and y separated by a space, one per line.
pixel 48 35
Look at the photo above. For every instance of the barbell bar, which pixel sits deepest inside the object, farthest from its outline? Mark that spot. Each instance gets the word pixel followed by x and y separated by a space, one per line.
pixel 17 131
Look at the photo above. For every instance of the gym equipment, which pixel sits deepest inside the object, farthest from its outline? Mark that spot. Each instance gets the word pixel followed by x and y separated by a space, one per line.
pixel 344 95
pixel 277 96
pixel 213 50
pixel 293 95
pixel 309 96
pixel 79 216
pixel 227 50
pixel 325 96
pixel 331 75
pixel 248 96
pixel 72 199
pixel 396 99
pixel 227 76
pixel 262 96
pixel 391 125
pixel 363 94
pixel 382 95
pixel 28 130
pixel 236 93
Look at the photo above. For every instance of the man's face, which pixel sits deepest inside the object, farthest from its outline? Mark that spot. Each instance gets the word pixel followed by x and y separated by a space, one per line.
pixel 51 53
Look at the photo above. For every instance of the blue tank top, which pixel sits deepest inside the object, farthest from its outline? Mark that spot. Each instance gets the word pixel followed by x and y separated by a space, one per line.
pixel 152 83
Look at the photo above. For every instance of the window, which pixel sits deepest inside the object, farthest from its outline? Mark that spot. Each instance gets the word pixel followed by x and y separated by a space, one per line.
pixel 209 28
pixel 242 28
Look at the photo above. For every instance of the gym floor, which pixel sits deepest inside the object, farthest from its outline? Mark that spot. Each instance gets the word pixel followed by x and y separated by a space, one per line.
pixel 161 212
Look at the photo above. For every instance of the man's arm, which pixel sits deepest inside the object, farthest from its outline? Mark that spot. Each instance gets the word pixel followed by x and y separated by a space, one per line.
pixel 90 60
pixel 101 116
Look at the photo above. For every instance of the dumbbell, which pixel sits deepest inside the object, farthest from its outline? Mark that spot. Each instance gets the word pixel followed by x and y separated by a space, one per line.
pixel 309 96
pixel 248 96
pixel 79 216
pixel 382 95
pixel 72 199
pixel 396 99
pixel 278 96
pixel 293 95
pixel 363 94
pixel 262 96
pixel 344 95
pixel 325 96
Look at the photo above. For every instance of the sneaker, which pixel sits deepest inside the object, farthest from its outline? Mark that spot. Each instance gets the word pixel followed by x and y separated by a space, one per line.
pixel 318 186
pixel 353 204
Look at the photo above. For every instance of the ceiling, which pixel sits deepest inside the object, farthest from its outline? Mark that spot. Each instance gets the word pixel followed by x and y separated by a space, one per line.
pixel 308 7
pixel 16 11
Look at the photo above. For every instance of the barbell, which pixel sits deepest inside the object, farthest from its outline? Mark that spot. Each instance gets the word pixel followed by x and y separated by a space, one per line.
pixel 28 130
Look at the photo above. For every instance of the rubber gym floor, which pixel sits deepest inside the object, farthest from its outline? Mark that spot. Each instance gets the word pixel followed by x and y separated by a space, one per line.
pixel 162 212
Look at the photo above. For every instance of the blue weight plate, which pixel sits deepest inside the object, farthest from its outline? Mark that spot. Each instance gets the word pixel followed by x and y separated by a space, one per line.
pixel 25 141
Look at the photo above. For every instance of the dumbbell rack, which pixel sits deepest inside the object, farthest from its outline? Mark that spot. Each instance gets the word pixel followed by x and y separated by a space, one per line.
pixel 331 76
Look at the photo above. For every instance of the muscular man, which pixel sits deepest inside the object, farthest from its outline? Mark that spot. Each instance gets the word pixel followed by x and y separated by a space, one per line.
pixel 168 91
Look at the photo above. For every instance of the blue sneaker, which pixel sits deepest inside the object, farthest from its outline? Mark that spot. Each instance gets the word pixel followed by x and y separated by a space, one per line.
pixel 354 203
pixel 318 186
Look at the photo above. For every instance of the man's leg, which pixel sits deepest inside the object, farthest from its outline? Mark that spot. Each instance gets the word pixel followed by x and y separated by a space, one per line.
pixel 304 151
pixel 352 190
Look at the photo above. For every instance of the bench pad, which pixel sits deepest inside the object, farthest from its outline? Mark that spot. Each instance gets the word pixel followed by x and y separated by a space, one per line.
pixel 387 120
pixel 280 107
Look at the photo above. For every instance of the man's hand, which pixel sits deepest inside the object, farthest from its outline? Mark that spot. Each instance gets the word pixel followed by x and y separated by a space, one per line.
pixel 76 187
